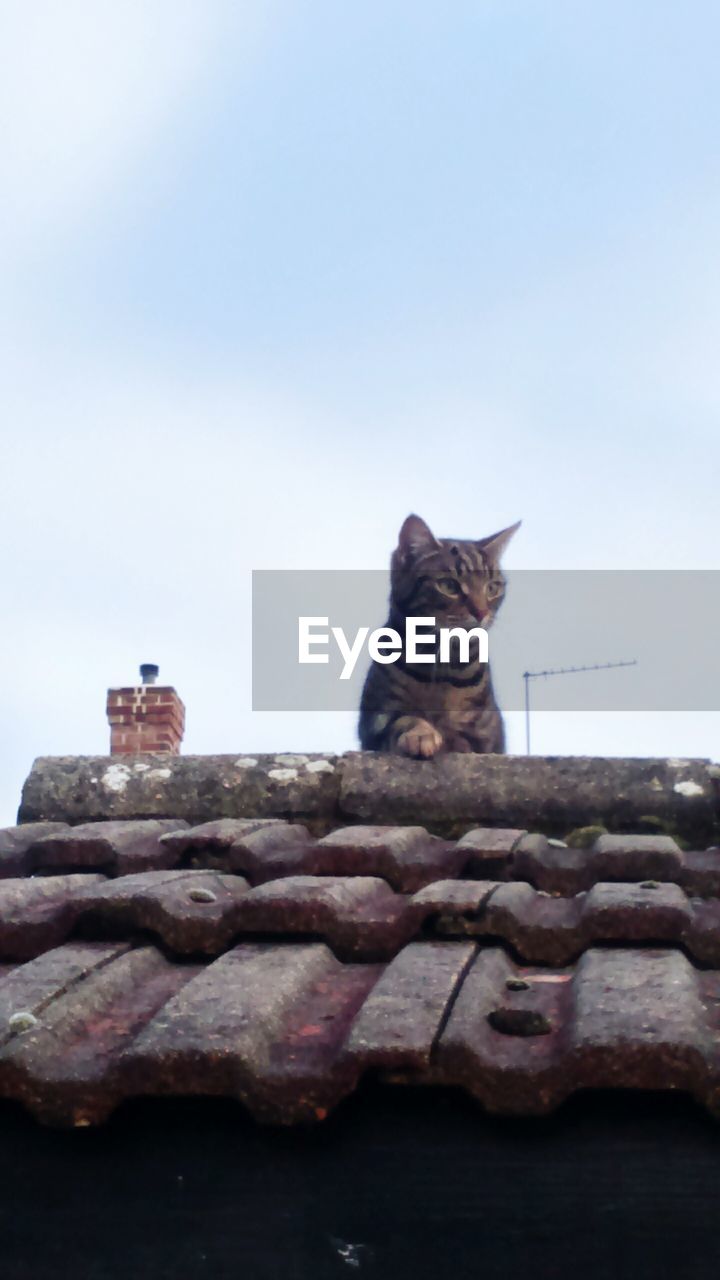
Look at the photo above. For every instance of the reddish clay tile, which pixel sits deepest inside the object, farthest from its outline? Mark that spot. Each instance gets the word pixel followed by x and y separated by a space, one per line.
pixel 263 1024
pixel 287 849
pixel 289 1030
pixel 533 923
pixel 455 899
pixel 191 911
pixel 403 1015
pixel 260 848
pixel 700 935
pixel 650 911
pixel 215 837
pixel 522 1039
pixel 119 848
pixel 71 1024
pixel 701 872
pixel 544 929
pixel 559 869
pixel 16 841
pixel 38 913
pixel 358 916
pixel 489 852
pixel 407 857
pixel 29 988
pixel 641 857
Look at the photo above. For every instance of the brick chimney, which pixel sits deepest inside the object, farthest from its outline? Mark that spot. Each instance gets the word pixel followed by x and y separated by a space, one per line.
pixel 148 717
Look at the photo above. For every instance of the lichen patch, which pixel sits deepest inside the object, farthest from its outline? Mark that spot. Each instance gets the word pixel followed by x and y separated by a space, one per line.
pixel 689 788
pixel 116 777
pixel 320 766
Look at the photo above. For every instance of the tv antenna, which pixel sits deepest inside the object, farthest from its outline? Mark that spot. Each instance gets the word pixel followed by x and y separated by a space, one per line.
pixel 562 671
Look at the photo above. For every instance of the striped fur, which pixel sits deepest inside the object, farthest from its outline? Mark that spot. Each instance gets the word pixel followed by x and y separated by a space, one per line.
pixel 422 710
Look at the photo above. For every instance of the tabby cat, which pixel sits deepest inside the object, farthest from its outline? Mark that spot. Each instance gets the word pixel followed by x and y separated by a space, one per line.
pixel 420 709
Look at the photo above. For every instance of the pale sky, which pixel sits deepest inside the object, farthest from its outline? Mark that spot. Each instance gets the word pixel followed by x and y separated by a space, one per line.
pixel 275 274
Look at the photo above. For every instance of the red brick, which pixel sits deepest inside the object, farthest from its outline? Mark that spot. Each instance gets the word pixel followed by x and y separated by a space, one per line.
pixel 145 718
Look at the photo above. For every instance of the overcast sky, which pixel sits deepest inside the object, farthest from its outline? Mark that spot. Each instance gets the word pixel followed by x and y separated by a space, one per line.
pixel 275 274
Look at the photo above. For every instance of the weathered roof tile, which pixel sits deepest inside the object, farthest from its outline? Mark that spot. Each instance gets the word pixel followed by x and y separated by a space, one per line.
pixel 289 1030
pixel 359 917
pixel 95 999
pixel 249 958
pixel 407 857
pixel 119 848
pixel 403 1014
pixel 15 842
pixel 249 1026
pixel 38 913
pixel 190 911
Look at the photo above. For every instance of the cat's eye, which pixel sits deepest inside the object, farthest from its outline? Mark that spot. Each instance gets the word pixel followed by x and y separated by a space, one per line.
pixel 448 586
pixel 493 588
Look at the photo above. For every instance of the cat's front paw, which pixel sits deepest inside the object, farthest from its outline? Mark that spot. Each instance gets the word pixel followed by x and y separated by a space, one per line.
pixel 421 741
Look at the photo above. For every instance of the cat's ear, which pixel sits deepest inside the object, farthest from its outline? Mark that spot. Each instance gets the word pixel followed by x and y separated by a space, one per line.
pixel 497 542
pixel 416 536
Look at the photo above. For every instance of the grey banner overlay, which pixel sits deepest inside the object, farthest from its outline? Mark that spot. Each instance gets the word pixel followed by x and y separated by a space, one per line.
pixel 667 620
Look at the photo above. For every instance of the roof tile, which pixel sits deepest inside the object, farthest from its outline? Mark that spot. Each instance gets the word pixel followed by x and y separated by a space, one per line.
pixel 190 911
pixel 620 1019
pixel 262 848
pixel 38 913
pixel 282 967
pixel 263 1024
pixel 15 842
pixel 289 1030
pixel 489 851
pixel 404 1013
pixel 119 848
pixel 64 1066
pixel 359 917
pixel 407 857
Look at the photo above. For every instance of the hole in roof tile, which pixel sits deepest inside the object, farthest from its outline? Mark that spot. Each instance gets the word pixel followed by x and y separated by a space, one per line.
pixel 23 1020
pixel 202 895
pixel 517 984
pixel 519 1022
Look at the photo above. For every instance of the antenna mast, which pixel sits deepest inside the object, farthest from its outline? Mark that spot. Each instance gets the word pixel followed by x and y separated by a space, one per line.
pixel 562 671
